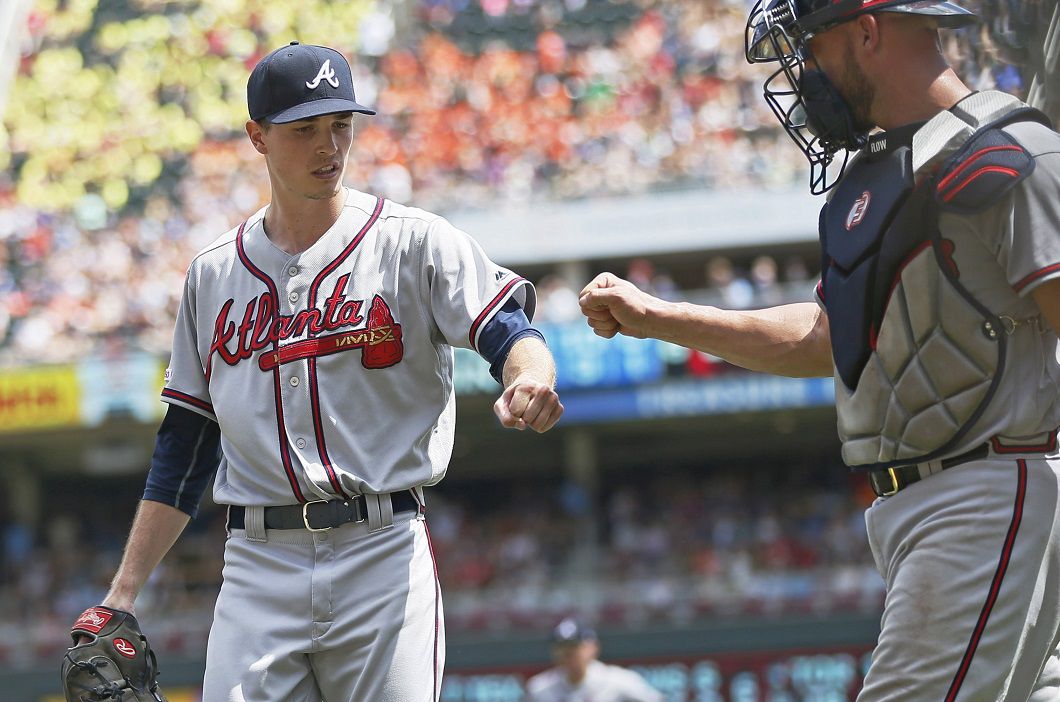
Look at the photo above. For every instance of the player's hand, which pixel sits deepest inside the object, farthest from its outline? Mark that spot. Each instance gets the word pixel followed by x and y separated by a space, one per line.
pixel 112 601
pixel 613 306
pixel 528 403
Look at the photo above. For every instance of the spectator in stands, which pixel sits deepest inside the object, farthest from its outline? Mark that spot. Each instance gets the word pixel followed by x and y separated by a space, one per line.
pixel 557 301
pixel 735 290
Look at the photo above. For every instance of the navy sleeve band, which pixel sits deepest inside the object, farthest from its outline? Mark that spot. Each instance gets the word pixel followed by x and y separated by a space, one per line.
pixel 500 334
pixel 187 451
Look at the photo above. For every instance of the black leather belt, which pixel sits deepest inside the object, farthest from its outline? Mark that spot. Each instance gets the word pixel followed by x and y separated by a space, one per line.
pixel 322 514
pixel 887 481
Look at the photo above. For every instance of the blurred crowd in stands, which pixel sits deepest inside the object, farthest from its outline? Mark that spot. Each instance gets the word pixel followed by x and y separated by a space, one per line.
pixel 678 544
pixel 125 153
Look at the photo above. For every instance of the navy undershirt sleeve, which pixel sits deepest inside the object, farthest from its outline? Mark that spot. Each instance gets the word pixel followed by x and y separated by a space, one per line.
pixel 187 451
pixel 500 334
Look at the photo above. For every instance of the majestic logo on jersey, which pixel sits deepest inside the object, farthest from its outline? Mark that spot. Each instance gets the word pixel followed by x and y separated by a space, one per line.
pixel 327 73
pixel 262 328
pixel 858 210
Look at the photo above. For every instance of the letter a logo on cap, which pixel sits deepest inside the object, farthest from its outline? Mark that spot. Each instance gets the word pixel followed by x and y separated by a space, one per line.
pixel 325 73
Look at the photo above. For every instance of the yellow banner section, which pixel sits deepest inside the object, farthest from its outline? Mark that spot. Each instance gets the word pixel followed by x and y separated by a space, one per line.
pixel 39 398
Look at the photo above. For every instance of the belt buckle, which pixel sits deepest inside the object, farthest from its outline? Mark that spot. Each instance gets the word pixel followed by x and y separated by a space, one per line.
pixel 894 483
pixel 305 515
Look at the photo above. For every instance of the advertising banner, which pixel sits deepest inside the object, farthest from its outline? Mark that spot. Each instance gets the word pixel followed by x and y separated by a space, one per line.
pixel 39 398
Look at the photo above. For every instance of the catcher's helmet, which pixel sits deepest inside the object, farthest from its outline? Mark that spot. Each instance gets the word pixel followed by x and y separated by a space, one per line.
pixel 809 107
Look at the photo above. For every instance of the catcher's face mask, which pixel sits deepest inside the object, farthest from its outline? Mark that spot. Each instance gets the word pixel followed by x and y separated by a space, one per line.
pixel 808 105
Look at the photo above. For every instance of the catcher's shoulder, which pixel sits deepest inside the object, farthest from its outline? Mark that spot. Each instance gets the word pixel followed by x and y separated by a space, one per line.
pixel 1037 138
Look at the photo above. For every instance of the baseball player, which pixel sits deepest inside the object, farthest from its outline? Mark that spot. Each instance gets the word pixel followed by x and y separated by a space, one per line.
pixel 313 356
pixel 580 677
pixel 937 314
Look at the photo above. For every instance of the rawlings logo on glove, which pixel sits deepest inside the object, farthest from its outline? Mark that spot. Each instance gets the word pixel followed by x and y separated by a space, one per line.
pixel 112 662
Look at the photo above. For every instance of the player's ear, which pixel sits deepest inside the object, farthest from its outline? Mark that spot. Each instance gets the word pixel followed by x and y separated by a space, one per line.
pixel 256 132
pixel 867 32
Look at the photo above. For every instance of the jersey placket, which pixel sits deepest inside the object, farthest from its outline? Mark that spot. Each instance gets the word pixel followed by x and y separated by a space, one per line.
pixel 298 386
pixel 330 271
pixel 284 444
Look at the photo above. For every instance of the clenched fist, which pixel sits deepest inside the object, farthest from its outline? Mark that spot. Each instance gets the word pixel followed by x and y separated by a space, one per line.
pixel 528 403
pixel 612 306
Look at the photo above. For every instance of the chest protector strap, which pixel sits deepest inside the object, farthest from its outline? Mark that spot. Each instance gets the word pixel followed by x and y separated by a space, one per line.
pixel 917 357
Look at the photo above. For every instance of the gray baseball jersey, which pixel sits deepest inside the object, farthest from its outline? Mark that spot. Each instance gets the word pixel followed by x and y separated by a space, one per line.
pixel 330 371
pixel 602 683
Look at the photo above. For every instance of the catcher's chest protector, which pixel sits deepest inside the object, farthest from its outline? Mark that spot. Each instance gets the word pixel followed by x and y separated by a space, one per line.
pixel 917 357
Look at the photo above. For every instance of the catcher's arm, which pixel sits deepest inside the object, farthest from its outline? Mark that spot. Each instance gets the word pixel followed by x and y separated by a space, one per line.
pixel 792 340
pixel 1047 296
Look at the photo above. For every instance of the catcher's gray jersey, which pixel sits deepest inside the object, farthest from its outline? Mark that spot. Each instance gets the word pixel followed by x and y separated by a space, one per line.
pixel 330 371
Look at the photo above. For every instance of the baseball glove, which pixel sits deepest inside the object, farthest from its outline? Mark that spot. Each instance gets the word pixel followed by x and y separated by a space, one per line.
pixel 112 662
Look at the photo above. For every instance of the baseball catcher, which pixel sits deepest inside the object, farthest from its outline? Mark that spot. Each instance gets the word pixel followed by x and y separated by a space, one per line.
pixel 110 660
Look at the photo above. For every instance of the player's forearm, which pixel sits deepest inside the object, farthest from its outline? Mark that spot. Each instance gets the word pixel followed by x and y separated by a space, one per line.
pixel 154 531
pixel 529 359
pixel 1047 297
pixel 791 340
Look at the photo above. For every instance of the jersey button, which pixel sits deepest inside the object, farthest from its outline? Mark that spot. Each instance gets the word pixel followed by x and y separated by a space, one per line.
pixel 293 297
pixel 293 270
pixel 300 443
pixel 294 381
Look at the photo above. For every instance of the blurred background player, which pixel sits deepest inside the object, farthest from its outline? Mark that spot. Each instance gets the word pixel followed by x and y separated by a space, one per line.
pixel 580 677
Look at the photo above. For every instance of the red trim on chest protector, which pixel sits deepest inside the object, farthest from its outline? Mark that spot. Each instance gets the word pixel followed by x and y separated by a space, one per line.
pixel 948 197
pixel 972 159
pixel 1048 447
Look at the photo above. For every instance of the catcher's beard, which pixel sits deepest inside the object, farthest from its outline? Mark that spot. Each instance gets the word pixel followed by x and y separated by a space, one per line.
pixel 856 89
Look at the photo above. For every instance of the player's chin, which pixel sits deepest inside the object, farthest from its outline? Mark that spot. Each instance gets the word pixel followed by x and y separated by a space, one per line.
pixel 324 187
pixel 325 193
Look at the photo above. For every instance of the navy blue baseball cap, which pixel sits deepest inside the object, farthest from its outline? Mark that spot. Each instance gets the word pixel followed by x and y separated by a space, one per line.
pixel 571 631
pixel 300 81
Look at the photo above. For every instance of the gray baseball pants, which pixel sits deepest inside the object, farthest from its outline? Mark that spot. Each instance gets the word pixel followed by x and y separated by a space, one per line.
pixel 971 558
pixel 345 615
